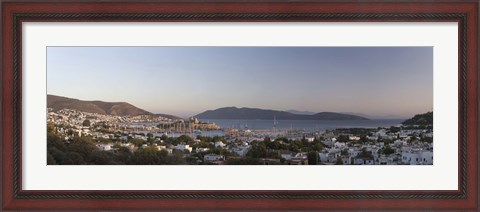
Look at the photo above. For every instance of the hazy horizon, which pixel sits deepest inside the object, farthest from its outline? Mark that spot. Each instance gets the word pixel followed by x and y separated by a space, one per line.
pixel 184 81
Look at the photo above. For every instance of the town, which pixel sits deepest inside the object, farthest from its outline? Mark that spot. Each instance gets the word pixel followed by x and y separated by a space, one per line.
pixel 81 138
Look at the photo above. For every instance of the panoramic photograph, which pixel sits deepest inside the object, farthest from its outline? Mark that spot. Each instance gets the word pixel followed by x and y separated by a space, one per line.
pixel 239 105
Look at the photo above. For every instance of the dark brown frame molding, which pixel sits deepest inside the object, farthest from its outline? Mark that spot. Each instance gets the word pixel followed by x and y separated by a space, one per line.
pixel 14 13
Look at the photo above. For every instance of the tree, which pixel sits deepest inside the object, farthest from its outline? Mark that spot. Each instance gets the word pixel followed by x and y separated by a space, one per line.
pixel 243 161
pixel 50 127
pixel 312 158
pixel 74 159
pixel 86 123
pixel 175 159
pixel 137 142
pixel 339 161
pixel 342 138
pixel 293 147
pixel 70 132
pixel 57 155
pixel 388 150
pixel 427 139
pixel 124 155
pixel 420 119
pixel 258 150
pixel 317 145
pixel 50 160
pixel 53 140
pixel 394 129
pixel 150 137
pixel 365 153
pixel 274 145
pixel 147 156
pixel 184 139
pixel 83 146
pixel 99 157
pixel 413 138
pixel 164 137
pixel 364 139
pixel 217 138
pixel 272 154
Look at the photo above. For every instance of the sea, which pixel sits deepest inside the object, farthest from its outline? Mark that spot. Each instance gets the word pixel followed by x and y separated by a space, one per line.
pixel 303 125
pixel 315 125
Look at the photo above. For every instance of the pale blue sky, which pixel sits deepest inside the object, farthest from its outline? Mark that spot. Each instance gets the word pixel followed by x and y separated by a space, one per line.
pixel 185 81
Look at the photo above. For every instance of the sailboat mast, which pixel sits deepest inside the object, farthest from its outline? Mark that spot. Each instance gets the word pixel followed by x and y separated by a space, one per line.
pixel 274 123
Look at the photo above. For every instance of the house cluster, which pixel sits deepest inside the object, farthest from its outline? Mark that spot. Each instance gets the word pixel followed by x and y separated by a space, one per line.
pixel 291 158
pixel 76 123
pixel 110 146
pixel 382 148
pixel 404 148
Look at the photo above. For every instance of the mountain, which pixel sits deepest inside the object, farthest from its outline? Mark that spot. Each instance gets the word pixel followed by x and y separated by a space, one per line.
pixel 300 112
pixel 420 119
pixel 108 108
pixel 255 113
pixel 376 116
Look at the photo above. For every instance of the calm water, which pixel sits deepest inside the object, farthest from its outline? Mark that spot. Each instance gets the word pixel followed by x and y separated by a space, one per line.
pixel 304 124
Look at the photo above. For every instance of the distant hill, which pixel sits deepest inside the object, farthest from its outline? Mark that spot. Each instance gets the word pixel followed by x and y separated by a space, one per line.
pixel 420 119
pixel 255 113
pixel 376 116
pixel 108 108
pixel 300 112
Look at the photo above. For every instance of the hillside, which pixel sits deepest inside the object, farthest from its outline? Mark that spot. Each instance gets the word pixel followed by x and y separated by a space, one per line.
pixel 168 116
pixel 300 112
pixel 420 119
pixel 255 113
pixel 108 108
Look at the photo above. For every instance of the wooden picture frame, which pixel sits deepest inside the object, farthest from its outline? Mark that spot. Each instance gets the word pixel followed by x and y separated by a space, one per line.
pixel 14 13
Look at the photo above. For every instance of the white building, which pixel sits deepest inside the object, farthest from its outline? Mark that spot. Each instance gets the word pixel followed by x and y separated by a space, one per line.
pixel 160 148
pixel 241 151
pixel 353 152
pixel 130 146
pixel 105 147
pixel 183 147
pixel 329 143
pixel 199 149
pixel 323 156
pixel 292 156
pixel 364 161
pixel 400 143
pixel 213 157
pixel 219 144
pixel 353 138
pixel 345 160
pixel 417 157
pixel 141 137
pixel 381 132
pixel 339 144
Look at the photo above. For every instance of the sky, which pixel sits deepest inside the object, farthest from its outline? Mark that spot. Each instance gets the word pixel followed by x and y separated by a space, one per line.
pixel 184 81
